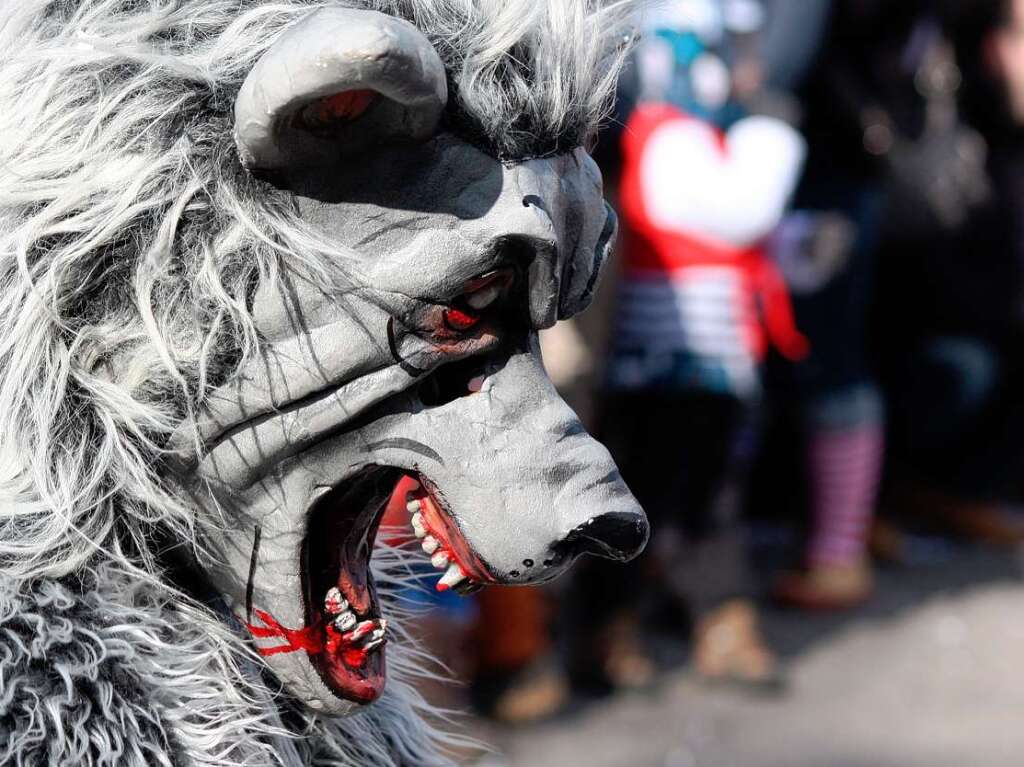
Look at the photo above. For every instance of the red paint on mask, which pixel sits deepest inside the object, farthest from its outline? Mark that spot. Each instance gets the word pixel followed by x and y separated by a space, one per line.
pixel 308 638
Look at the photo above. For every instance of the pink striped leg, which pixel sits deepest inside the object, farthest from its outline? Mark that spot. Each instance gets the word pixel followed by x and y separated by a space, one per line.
pixel 845 467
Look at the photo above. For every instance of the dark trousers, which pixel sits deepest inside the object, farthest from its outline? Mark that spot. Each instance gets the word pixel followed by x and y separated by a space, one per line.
pixel 685 457
pixel 960 418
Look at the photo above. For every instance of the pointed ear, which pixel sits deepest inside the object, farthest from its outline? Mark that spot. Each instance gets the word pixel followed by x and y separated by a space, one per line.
pixel 338 82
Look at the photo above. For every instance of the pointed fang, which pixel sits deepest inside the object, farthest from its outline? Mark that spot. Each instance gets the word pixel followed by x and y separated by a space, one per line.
pixel 453 577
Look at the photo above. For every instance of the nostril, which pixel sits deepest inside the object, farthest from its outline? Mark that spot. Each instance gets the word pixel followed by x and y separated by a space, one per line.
pixel 617 535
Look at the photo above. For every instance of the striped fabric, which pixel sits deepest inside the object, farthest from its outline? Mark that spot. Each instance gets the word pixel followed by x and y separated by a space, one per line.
pixel 845 466
pixel 690 328
pixel 700 301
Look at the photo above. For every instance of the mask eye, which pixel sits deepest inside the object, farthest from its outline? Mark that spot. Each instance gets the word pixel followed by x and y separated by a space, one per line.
pixel 460 321
pixel 480 294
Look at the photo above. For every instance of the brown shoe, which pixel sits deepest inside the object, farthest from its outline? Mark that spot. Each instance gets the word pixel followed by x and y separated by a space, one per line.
pixel 980 521
pixel 729 648
pixel 887 542
pixel 525 696
pixel 626 664
pixel 826 587
pixel 988 523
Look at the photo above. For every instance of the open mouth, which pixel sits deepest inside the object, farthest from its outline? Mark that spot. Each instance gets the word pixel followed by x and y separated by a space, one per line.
pixel 345 633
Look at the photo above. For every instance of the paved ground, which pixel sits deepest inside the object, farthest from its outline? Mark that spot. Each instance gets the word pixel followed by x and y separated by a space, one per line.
pixel 931 675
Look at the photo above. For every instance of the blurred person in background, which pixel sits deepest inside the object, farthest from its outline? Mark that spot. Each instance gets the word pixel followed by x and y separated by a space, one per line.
pixel 954 287
pixel 865 116
pixel 703 184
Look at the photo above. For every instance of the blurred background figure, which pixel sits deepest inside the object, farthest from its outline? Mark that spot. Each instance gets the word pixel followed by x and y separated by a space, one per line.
pixel 953 279
pixel 860 100
pixel 704 182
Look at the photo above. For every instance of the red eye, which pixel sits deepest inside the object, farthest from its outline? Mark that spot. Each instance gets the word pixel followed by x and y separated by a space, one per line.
pixel 458 320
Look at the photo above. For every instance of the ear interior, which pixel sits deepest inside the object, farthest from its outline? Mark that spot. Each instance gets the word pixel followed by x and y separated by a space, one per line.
pixel 338 83
pixel 325 115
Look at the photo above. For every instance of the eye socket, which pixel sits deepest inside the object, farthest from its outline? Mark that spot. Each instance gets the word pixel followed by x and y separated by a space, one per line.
pixel 479 295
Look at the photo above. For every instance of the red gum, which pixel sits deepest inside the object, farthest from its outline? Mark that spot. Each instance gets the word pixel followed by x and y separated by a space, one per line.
pixel 353 657
pixel 333 639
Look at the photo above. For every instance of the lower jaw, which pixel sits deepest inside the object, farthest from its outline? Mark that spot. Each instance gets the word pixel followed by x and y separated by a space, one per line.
pixel 360 679
pixel 347 650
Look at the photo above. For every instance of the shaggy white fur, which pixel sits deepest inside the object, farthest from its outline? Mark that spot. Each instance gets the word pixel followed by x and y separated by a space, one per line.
pixel 130 243
pixel 103 669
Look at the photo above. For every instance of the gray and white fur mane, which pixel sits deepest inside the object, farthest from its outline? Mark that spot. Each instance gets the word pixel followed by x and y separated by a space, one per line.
pixel 130 241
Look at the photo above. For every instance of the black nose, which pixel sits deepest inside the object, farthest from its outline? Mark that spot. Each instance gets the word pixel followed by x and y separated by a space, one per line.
pixel 618 535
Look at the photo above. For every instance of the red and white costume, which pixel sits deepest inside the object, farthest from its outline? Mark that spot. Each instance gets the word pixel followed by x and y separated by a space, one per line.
pixel 700 300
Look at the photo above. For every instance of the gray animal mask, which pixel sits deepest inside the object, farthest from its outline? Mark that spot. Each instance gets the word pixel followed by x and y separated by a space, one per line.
pixel 423 364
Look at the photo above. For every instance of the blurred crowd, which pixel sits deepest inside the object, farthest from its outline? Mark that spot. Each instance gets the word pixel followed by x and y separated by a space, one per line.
pixel 813 328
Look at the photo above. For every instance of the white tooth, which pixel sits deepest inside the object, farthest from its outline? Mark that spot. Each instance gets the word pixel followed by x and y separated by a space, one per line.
pixel 439 560
pixel 453 577
pixel 345 621
pixel 484 297
pixel 412 507
pixel 477 384
pixel 363 630
pixel 417 525
pixel 430 545
pixel 334 602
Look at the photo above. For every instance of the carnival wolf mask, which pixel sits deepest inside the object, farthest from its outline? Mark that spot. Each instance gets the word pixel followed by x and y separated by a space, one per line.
pixel 262 262
pixel 422 361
